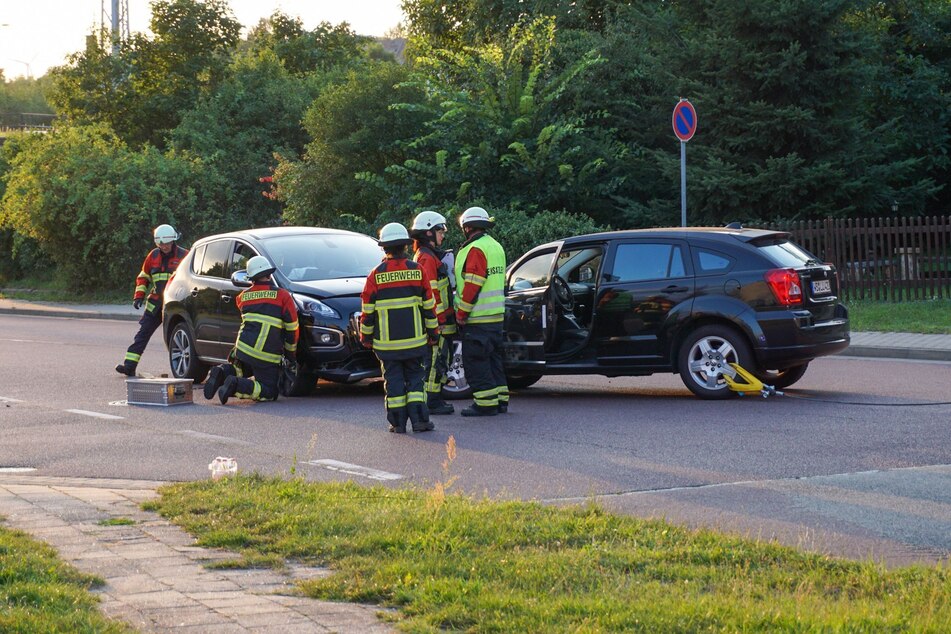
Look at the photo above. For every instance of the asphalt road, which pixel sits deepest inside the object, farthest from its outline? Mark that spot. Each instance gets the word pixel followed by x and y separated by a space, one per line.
pixel 849 467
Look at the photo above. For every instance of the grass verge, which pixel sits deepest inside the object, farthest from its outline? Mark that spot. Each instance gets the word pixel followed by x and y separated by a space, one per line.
pixel 455 563
pixel 51 289
pixel 925 317
pixel 40 593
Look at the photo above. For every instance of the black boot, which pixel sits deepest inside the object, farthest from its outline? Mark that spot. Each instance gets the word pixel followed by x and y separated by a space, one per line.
pixel 228 390
pixel 419 414
pixel 438 407
pixel 215 380
pixel 479 410
pixel 503 407
pixel 126 369
pixel 397 419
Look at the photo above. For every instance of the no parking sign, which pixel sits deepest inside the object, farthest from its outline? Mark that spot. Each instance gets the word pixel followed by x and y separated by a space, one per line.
pixel 684 122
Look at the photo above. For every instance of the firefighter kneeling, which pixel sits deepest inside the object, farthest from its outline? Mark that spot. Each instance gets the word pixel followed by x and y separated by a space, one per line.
pixel 399 324
pixel 268 332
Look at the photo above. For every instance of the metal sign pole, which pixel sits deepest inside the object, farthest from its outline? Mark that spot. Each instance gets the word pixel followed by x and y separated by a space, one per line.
pixel 683 183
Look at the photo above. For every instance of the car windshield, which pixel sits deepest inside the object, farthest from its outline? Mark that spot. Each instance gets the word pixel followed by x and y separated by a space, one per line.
pixel 310 257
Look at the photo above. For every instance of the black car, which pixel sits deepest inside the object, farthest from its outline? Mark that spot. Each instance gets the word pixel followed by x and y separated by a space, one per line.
pixel 324 270
pixel 687 300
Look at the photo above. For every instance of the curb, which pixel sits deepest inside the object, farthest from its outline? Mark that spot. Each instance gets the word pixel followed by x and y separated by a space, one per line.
pixel 66 312
pixel 887 352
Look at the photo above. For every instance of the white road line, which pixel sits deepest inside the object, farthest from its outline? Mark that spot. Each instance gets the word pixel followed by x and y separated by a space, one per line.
pixel 4 399
pixel 204 436
pixel 94 414
pixel 16 469
pixel 355 469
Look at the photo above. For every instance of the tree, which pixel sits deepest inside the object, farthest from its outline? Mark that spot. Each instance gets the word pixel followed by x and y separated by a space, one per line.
pixel 143 91
pixel 353 129
pixel 92 203
pixel 253 115
pixel 497 133
pixel 325 48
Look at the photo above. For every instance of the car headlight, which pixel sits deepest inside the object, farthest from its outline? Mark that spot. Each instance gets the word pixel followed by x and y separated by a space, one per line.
pixel 315 306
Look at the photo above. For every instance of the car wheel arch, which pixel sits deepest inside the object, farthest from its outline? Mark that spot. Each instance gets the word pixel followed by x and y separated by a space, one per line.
pixel 741 327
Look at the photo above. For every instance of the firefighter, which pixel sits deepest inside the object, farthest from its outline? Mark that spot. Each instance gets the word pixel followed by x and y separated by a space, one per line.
pixel 428 231
pixel 480 311
pixel 399 324
pixel 157 269
pixel 269 331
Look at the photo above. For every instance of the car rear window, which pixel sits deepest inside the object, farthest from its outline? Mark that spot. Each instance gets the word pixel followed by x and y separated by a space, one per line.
pixel 786 254
pixel 310 257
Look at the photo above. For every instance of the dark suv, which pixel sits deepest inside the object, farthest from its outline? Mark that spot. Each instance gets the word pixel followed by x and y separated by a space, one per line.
pixel 690 300
pixel 324 270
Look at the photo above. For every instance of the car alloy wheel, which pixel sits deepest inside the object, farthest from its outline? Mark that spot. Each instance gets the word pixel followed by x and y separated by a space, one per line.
pixel 704 355
pixel 182 356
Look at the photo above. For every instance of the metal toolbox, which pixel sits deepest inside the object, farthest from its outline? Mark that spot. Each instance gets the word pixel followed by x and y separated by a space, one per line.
pixel 162 392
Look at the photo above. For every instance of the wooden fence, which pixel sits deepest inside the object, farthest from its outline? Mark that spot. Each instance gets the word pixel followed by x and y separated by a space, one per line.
pixel 883 259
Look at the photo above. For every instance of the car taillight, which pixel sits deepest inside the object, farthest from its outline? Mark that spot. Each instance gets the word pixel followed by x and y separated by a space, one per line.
pixel 786 286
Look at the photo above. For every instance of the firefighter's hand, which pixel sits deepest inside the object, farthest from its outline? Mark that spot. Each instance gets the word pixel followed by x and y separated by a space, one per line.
pixel 461 321
pixel 367 343
pixel 137 303
pixel 433 340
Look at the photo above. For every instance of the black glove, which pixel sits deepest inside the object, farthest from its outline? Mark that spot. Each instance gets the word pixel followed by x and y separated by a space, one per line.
pixel 137 304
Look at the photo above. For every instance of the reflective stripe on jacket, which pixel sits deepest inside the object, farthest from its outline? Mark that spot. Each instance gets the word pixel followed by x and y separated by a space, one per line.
pixel 397 305
pixel 269 325
pixel 480 281
pixel 438 274
pixel 156 271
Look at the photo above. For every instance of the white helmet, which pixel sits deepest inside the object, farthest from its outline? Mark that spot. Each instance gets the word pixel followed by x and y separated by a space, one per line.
pixel 426 220
pixel 258 266
pixel 164 234
pixel 394 234
pixel 476 217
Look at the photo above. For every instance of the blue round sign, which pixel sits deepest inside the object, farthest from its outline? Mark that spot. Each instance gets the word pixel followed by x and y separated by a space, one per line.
pixel 684 120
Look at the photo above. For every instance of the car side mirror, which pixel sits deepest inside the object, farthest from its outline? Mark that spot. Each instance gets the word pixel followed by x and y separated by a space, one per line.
pixel 240 279
pixel 585 274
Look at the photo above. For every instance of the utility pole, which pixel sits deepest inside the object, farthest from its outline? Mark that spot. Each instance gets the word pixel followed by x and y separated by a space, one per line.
pixel 118 19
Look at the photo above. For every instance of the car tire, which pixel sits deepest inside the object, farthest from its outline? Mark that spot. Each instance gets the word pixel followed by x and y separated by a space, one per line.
pixel 702 355
pixel 522 381
pixel 781 379
pixel 304 384
pixel 183 356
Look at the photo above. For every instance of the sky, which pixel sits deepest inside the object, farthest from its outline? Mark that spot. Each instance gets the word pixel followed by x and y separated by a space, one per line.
pixel 38 34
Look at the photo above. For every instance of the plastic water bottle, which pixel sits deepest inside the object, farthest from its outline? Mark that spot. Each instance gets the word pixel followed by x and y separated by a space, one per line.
pixel 221 467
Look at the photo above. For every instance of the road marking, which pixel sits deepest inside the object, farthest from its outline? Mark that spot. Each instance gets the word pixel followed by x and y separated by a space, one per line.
pixel 16 469
pixel 355 469
pixel 94 414
pixel 203 436
pixel 4 399
pixel 122 403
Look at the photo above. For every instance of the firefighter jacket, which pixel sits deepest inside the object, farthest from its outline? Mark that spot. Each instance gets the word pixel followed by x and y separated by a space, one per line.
pixel 398 319
pixel 438 273
pixel 156 271
pixel 480 281
pixel 268 324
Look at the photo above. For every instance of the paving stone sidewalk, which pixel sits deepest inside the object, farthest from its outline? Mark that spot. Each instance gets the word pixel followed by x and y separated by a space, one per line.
pixel 155 576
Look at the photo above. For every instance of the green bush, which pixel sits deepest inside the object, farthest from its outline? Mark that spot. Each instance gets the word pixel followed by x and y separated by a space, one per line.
pixel 91 203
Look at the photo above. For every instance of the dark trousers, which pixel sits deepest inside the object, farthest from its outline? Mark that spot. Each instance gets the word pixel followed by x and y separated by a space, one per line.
pixel 148 324
pixel 435 367
pixel 482 359
pixel 264 385
pixel 403 383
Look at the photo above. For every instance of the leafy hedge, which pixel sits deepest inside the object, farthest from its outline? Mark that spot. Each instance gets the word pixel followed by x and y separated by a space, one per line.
pixel 91 203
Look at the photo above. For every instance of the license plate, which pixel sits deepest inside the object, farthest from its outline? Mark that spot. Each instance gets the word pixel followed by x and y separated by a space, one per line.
pixel 821 286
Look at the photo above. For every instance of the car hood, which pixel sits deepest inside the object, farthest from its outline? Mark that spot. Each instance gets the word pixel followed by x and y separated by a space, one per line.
pixel 321 289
